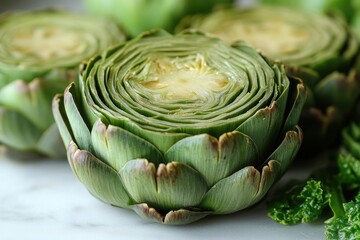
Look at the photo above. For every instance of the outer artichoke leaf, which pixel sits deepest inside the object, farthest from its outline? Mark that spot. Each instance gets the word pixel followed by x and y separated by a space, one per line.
pixel 310 77
pixel 117 146
pixel 330 91
pixel 51 143
pixel 269 175
pixel 162 141
pixel 100 179
pixel 233 193
pixel 319 126
pixel 17 131
pixel 298 100
pixel 213 158
pixel 61 119
pixel 170 186
pixel 352 50
pixel 30 99
pixel 79 128
pixel 287 150
pixel 263 127
pixel 181 216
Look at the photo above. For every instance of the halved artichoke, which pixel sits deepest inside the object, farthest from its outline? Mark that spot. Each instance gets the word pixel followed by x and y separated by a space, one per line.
pixel 180 127
pixel 320 49
pixel 346 8
pixel 40 53
pixel 142 15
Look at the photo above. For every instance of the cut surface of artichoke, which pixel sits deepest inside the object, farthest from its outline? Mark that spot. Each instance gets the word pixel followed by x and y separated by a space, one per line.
pixel 45 42
pixel 267 36
pixel 167 79
pixel 293 37
pixel 40 53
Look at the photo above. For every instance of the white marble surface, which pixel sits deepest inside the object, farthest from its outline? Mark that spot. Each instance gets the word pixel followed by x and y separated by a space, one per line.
pixel 42 200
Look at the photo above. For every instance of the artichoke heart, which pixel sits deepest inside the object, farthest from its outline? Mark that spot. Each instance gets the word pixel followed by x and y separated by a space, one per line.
pixel 177 127
pixel 320 49
pixel 40 53
pixel 166 80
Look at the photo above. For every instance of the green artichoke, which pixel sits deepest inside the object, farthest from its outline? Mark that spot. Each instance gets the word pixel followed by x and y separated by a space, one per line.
pixel 136 16
pixel 320 49
pixel 349 9
pixel 40 53
pixel 346 8
pixel 180 127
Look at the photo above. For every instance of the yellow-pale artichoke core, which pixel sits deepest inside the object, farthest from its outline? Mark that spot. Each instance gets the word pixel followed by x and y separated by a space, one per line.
pixel 272 37
pixel 45 42
pixel 175 79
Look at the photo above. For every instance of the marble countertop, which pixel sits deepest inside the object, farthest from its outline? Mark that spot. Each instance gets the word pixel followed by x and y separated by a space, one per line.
pixel 42 200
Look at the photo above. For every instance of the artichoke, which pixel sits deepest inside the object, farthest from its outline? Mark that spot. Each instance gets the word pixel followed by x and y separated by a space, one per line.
pixel 177 127
pixel 346 8
pixel 136 16
pixel 40 52
pixel 320 49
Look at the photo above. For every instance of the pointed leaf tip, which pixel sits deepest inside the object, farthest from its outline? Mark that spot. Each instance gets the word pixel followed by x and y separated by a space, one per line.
pixel 173 217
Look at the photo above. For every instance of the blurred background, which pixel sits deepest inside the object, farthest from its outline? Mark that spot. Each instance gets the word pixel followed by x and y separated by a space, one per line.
pixel 5 5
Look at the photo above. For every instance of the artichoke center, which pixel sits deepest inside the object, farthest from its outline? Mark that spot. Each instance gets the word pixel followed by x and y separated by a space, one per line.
pixel 272 38
pixel 45 42
pixel 176 79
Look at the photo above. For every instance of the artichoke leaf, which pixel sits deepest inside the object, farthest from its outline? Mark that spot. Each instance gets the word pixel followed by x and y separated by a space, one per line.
pixel 30 99
pixel 61 119
pixel 242 189
pixel 320 125
pixel 181 216
pixel 233 193
pixel 107 186
pixel 118 146
pixel 263 126
pixel 171 186
pixel 162 141
pixel 310 77
pixel 270 173
pixel 79 128
pixel 330 91
pixel 213 158
pixel 17 131
pixel 298 99
pixel 287 150
pixel 50 143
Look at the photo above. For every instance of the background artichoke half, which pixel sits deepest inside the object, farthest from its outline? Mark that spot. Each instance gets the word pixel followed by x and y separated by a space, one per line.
pixel 322 50
pixel 40 52
pixel 180 127
pixel 137 16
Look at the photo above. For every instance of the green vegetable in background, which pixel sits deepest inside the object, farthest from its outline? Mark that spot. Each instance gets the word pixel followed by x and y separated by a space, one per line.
pixel 180 127
pixel 346 8
pixel 320 49
pixel 136 16
pixel 39 56
pixel 336 188
pixel 349 9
